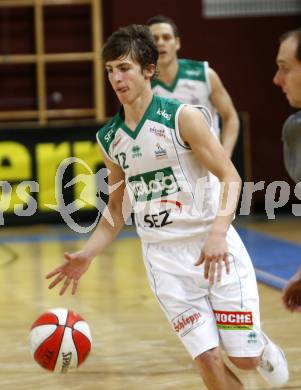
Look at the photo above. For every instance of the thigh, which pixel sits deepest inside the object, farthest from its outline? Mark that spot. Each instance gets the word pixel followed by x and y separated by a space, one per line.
pixel 235 303
pixel 176 284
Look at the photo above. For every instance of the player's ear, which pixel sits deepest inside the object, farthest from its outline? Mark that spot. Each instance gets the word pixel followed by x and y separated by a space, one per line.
pixel 149 71
pixel 178 43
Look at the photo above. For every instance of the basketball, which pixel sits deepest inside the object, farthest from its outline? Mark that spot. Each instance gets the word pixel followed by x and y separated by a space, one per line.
pixel 60 340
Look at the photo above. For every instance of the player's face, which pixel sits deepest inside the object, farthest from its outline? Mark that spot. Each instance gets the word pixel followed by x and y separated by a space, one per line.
pixel 288 75
pixel 127 78
pixel 167 43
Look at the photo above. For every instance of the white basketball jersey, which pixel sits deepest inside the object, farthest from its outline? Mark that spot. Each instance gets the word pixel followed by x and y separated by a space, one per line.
pixel 191 86
pixel 167 184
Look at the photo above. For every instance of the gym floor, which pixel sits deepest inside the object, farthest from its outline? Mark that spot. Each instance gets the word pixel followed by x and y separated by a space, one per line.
pixel 133 345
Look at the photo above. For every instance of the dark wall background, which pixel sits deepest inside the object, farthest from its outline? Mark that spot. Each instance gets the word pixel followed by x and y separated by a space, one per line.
pixel 243 52
pixel 67 28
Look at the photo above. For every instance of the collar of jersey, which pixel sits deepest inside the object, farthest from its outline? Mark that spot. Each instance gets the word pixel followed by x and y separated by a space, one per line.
pixel 172 86
pixel 134 133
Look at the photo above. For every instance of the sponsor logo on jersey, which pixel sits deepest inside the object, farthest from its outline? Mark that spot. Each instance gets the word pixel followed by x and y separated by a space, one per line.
pixel 109 134
pixel 186 321
pixel 154 184
pixel 160 152
pixel 252 338
pixel 158 220
pixel 176 203
pixel 164 114
pixel 192 72
pixel 234 319
pixel 136 151
pixel 159 132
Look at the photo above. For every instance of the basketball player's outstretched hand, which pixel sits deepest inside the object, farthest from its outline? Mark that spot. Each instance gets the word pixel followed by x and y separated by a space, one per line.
pixel 214 256
pixel 75 265
pixel 292 295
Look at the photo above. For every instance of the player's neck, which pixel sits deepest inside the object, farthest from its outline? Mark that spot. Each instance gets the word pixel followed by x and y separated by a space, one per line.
pixel 168 72
pixel 134 111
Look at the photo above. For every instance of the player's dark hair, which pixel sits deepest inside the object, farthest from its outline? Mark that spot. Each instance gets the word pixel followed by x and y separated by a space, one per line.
pixel 134 40
pixel 164 19
pixel 293 33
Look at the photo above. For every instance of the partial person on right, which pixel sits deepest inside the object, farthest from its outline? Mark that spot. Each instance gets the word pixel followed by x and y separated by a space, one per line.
pixel 288 78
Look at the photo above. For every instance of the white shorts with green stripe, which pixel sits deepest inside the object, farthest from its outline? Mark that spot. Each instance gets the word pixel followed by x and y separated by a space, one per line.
pixel 204 317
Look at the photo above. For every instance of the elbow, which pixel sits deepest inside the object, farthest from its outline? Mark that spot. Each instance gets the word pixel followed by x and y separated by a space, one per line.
pixel 230 121
pixel 235 180
pixel 235 121
pixel 235 185
pixel 232 178
pixel 238 180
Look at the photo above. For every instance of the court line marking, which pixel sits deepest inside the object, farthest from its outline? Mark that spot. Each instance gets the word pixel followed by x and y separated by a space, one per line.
pixel 13 255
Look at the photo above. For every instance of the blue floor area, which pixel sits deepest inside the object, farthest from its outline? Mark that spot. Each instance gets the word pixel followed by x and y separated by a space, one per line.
pixel 48 237
pixel 275 260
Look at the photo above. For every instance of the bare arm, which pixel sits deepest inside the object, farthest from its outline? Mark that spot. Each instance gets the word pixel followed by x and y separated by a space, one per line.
pixel 207 149
pixel 110 224
pixel 292 293
pixel 211 154
pixel 223 104
pixel 112 220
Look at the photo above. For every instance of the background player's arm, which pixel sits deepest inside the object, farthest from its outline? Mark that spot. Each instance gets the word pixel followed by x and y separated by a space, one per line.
pixel 110 224
pixel 223 104
pixel 292 293
pixel 195 132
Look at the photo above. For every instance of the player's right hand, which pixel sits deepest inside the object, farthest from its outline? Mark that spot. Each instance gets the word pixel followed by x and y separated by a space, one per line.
pixel 214 256
pixel 75 265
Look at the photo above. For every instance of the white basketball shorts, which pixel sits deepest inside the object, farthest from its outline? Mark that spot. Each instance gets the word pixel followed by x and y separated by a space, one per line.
pixel 204 317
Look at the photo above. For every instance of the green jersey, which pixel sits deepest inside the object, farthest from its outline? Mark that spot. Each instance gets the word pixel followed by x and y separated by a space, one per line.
pixel 167 185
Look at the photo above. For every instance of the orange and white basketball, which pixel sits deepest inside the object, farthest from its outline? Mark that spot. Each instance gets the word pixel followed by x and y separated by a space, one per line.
pixel 60 340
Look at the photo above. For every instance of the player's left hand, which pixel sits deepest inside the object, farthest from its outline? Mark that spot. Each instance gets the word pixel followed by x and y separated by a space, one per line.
pixel 214 256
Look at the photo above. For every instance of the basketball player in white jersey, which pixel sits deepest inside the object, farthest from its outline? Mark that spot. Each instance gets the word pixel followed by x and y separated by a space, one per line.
pixel 160 152
pixel 192 82
pixel 288 77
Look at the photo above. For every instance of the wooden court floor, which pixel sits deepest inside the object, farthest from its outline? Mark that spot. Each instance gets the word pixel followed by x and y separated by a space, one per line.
pixel 134 347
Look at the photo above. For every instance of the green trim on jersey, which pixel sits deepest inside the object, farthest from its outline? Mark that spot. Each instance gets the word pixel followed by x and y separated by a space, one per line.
pixel 189 70
pixel 106 134
pixel 134 133
pixel 160 110
pixel 164 111
pixel 169 87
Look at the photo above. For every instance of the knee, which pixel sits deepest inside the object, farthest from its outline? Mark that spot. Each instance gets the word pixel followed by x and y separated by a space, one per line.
pixel 245 363
pixel 210 358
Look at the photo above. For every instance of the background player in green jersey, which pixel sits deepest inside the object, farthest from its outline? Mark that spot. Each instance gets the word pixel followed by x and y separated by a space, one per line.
pixel 288 77
pixel 207 279
pixel 192 82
